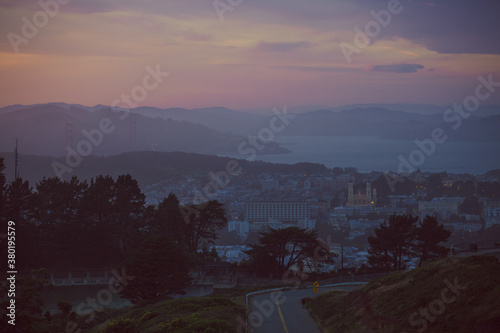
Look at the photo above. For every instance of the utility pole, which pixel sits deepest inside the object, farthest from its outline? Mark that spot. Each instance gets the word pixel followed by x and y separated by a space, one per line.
pixel 342 260
pixel 16 158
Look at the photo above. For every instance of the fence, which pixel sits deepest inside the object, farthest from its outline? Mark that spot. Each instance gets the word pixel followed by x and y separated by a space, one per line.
pixel 477 246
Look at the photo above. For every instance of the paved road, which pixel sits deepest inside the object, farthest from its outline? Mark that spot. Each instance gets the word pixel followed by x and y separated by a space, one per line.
pixel 281 311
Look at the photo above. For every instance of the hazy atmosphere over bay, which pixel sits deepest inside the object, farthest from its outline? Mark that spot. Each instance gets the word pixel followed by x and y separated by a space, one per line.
pixel 250 166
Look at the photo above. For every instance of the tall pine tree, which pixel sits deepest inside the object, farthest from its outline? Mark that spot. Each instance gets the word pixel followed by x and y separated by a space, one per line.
pixel 391 246
pixel 429 235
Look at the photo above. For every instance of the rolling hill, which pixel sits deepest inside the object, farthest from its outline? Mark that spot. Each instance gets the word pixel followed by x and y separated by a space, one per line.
pixel 450 295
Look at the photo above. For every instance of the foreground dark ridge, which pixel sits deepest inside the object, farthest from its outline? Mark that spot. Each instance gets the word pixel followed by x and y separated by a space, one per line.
pixel 450 295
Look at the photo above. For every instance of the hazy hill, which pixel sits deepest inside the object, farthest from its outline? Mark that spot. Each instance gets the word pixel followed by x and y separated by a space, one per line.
pixel 219 130
pixel 424 109
pixel 390 124
pixel 390 121
pixel 42 131
pixel 218 118
pixel 419 300
pixel 146 167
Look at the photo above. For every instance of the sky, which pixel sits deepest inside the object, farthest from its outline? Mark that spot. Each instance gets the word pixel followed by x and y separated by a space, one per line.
pixel 246 54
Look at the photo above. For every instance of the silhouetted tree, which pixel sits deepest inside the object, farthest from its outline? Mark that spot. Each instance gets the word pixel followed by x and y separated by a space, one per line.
pixel 202 225
pixel 29 302
pixel 128 207
pixel 96 218
pixel 252 238
pixel 57 215
pixel 19 201
pixel 58 201
pixel 435 187
pixel 462 189
pixel 228 238
pixel 279 249
pixel 19 207
pixel 159 268
pixel 3 199
pixel 97 203
pixel 392 243
pixel 168 219
pixel 429 235
pixel 471 205
pixel 487 189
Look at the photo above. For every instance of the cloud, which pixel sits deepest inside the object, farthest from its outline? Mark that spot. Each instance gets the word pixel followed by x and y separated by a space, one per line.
pixel 329 69
pixel 172 8
pixel 450 26
pixel 281 46
pixel 192 36
pixel 396 68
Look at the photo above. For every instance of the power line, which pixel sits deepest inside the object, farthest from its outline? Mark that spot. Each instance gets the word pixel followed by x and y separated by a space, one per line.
pixel 16 161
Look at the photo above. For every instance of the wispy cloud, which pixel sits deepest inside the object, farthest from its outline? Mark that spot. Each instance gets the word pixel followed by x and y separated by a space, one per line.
pixel 263 53
pixel 195 37
pixel 397 68
pixel 331 69
pixel 281 46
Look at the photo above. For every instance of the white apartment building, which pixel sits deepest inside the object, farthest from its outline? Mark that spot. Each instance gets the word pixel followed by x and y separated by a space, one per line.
pixel 444 205
pixel 242 228
pixel 286 213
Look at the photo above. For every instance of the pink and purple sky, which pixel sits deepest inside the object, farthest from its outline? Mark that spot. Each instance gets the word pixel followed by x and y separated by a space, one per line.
pixel 264 54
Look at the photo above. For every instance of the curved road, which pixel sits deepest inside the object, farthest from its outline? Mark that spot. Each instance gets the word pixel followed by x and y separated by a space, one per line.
pixel 281 311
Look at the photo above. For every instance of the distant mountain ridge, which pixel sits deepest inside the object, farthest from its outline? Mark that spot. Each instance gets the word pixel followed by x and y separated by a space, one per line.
pixel 395 125
pixel 41 128
pixel 147 167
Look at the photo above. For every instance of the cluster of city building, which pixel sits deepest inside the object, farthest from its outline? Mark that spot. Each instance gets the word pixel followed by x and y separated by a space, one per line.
pixel 257 202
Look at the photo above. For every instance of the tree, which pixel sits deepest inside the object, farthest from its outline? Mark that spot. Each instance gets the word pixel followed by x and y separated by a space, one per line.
pixel 29 302
pixel 280 249
pixel 228 238
pixel 2 190
pixel 428 236
pixel 471 205
pixel 59 201
pixel 96 219
pixel 167 218
pixel 58 217
pixel 204 224
pixel 462 189
pixel 97 203
pixel 19 201
pixel 487 189
pixel 65 307
pixel 19 207
pixel 128 207
pixel 391 245
pixel 435 187
pixel 252 238
pixel 160 269
pixel 209 256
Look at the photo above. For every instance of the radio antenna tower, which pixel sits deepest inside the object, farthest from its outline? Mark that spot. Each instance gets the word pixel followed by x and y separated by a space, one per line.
pixel 16 169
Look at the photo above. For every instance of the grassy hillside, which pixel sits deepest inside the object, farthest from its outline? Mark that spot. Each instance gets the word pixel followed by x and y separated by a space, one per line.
pixel 450 295
pixel 221 312
pixel 203 314
pixel 216 313
pixel 207 314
